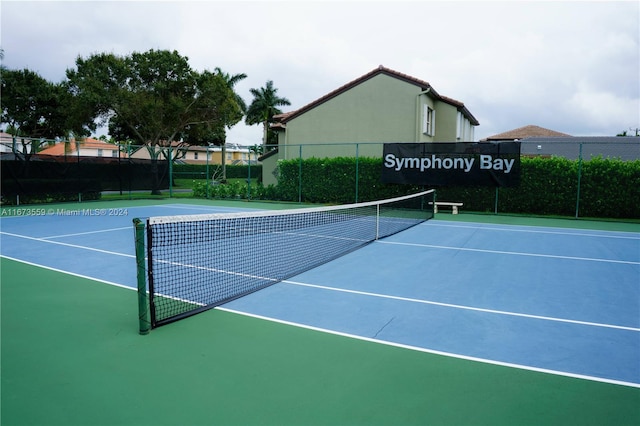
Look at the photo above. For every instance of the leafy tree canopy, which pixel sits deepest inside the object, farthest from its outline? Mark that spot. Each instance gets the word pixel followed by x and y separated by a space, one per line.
pixel 34 107
pixel 154 97
pixel 264 106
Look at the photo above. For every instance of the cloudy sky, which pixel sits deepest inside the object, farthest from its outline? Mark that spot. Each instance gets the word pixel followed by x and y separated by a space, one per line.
pixel 572 66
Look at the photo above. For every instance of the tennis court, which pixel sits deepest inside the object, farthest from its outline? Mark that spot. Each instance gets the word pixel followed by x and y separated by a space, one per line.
pixel 464 319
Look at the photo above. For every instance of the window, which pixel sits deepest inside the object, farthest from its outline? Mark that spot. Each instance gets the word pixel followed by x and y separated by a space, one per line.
pixel 99 153
pixel 464 129
pixel 195 155
pixel 429 123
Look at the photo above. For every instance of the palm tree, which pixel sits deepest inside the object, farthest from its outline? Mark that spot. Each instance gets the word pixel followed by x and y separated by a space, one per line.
pixel 231 81
pixel 264 106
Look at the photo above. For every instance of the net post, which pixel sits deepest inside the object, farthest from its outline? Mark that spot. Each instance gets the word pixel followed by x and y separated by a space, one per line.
pixel 143 301
pixel 434 197
pixel 377 221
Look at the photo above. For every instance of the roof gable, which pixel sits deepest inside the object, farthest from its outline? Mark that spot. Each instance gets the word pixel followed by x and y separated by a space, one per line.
pixel 381 70
pixel 88 143
pixel 529 131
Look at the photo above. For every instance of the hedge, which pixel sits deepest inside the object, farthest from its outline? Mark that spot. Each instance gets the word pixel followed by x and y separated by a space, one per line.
pixel 198 171
pixel 609 188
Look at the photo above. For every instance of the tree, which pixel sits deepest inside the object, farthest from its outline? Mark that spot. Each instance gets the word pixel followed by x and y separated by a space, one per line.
pixel 155 98
pixel 263 107
pixel 231 81
pixel 218 135
pixel 624 132
pixel 35 108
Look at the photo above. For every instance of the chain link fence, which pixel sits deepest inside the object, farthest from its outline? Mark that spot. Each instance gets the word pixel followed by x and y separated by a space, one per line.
pixel 578 193
pixel 36 170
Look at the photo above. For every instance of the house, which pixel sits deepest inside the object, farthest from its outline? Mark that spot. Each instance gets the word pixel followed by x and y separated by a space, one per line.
pixel 84 148
pixel 188 154
pixel 20 144
pixel 537 141
pixel 379 107
pixel 6 142
pixel 234 154
pixel 525 132
pixel 585 147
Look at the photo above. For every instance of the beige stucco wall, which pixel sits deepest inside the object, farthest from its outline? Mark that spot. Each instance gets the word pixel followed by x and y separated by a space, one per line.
pixel 446 122
pixel 383 109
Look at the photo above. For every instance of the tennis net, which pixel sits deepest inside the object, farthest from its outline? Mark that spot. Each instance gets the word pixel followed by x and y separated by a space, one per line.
pixel 192 263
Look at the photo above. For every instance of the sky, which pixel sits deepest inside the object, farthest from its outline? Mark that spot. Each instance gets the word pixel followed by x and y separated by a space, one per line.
pixel 573 67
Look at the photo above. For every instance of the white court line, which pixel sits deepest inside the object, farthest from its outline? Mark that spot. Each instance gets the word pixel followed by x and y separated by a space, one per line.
pixel 68 245
pixel 367 339
pixel 534 230
pixel 212 209
pixel 468 308
pixel 435 352
pixel 514 253
pixel 37 265
pixel 86 233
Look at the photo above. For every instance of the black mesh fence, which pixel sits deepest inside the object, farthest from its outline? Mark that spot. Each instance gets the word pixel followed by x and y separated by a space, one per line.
pixel 48 178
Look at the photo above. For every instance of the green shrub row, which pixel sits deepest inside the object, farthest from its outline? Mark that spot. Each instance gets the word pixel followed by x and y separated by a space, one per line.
pixel 608 188
pixel 199 171
pixel 235 190
pixel 333 180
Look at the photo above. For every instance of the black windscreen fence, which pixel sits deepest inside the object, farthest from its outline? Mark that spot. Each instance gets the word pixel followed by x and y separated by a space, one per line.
pixel 49 178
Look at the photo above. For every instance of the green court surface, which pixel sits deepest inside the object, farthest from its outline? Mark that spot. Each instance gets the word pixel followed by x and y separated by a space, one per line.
pixel 71 355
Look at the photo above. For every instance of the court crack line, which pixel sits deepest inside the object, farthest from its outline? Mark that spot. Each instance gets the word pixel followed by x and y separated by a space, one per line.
pixel 383 327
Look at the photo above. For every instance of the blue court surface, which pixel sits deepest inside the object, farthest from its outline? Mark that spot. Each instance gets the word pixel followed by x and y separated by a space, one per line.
pixel 563 301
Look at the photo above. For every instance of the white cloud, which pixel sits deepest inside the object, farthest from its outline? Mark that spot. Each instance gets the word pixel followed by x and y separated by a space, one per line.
pixel 512 63
pixel 597 109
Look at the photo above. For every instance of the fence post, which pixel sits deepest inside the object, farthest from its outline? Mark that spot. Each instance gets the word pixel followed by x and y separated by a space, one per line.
pixel 249 177
pixel 300 174
pixel 495 205
pixel 206 186
pixel 170 172
pixel 579 179
pixel 357 164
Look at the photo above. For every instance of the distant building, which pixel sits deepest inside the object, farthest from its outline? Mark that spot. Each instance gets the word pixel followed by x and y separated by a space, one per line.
pixel 585 147
pixel 234 154
pixel 19 144
pixel 525 132
pixel 84 148
pixel 537 141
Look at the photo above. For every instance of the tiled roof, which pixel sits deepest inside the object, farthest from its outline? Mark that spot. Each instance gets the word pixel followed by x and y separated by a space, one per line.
pixel 529 131
pixel 59 148
pixel 283 118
